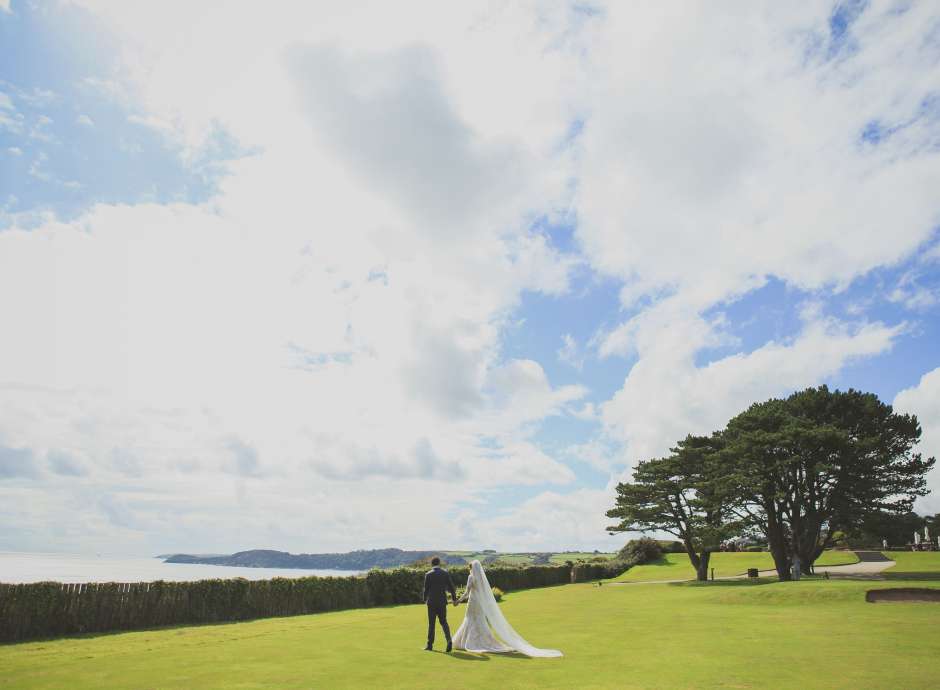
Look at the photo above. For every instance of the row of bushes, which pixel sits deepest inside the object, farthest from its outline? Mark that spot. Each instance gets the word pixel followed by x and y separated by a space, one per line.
pixel 49 609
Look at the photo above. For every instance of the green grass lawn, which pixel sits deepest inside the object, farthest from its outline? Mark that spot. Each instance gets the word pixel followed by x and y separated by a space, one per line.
pixel 676 566
pixel 734 634
pixel 913 562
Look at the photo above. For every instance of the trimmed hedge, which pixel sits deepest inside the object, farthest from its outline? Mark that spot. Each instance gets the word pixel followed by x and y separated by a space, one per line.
pixel 51 609
pixel 585 572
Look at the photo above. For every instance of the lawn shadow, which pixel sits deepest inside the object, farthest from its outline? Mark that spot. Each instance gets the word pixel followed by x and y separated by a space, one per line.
pixel 473 656
pixel 659 561
pixel 467 656
pixel 743 582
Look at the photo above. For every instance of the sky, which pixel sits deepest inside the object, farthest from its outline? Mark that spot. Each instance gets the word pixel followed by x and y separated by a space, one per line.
pixel 327 276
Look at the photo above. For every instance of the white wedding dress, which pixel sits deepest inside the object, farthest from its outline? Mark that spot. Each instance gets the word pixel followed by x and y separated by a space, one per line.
pixel 484 628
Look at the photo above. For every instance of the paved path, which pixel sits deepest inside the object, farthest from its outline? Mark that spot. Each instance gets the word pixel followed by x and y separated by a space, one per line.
pixel 869 567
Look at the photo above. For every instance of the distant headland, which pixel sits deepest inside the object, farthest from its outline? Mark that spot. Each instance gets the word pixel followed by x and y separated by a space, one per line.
pixel 353 560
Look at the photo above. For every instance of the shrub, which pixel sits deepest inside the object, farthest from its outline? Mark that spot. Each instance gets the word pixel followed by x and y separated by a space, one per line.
pixel 497 594
pixel 585 572
pixel 640 551
pixel 753 549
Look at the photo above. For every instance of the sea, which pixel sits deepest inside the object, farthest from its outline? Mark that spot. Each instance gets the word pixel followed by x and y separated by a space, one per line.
pixel 19 567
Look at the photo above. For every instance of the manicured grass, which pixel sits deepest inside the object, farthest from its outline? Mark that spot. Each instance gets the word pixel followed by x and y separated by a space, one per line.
pixel 913 562
pixel 808 634
pixel 676 566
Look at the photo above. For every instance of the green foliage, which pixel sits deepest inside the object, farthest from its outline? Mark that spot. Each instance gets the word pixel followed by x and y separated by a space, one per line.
pixel 49 609
pixel 897 528
pixel 678 494
pixel 640 551
pixel 792 472
pixel 672 546
pixel 497 594
pixel 819 458
pixel 753 549
pixel 586 572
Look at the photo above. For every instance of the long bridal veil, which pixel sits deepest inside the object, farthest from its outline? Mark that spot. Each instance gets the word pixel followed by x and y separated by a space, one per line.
pixel 483 593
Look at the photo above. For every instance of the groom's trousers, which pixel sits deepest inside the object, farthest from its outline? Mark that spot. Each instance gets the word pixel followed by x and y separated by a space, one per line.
pixel 437 610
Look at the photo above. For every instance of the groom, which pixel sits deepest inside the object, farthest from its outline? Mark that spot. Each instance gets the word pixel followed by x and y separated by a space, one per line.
pixel 437 583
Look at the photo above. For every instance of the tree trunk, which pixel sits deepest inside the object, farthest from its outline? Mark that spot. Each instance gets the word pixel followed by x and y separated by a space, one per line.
pixel 693 555
pixel 701 571
pixel 776 540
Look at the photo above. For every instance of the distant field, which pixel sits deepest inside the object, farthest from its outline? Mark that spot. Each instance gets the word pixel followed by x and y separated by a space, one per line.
pixel 560 558
pixel 913 562
pixel 557 558
pixel 733 634
pixel 676 566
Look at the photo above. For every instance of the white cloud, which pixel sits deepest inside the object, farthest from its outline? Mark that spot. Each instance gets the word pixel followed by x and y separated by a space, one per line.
pixel 569 352
pixel 326 330
pixel 602 454
pixel 10 119
pixel 923 400
pixel 912 294
pixel 321 341
pixel 666 395
pixel 85 120
pixel 553 521
pixel 5 6
pixel 706 180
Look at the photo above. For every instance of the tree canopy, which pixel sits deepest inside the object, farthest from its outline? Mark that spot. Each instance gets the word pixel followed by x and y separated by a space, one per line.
pixel 675 494
pixel 794 470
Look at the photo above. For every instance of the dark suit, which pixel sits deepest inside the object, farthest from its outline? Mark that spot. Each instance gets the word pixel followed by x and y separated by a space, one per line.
pixel 437 584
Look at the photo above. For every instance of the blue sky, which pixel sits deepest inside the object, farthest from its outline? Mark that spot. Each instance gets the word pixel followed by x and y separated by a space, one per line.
pixel 303 283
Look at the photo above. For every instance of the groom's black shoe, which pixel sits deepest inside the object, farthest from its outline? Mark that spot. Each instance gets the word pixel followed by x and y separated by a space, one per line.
pixel 449 646
pixel 428 648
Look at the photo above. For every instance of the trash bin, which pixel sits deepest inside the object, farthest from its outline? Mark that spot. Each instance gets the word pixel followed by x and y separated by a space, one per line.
pixel 752 572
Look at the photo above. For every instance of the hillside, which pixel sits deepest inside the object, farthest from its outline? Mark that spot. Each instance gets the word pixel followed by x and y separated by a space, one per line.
pixel 354 560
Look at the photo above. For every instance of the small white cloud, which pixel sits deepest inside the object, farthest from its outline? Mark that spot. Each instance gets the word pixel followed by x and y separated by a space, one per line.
pixel 40 129
pixel 10 119
pixel 85 120
pixel 36 168
pixel 913 295
pixel 5 6
pixel 569 352
pixel 15 151
pixel 600 454
pixel 587 412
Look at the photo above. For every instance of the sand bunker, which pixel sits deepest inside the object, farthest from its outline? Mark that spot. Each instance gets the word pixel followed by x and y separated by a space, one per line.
pixel 903 594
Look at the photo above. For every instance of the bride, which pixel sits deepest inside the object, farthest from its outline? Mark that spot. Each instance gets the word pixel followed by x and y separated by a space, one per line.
pixel 484 628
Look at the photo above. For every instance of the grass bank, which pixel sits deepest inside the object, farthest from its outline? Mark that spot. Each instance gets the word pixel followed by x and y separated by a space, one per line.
pixel 676 566
pixel 912 565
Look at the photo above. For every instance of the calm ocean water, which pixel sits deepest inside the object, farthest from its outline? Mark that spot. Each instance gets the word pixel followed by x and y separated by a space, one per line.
pixel 39 567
